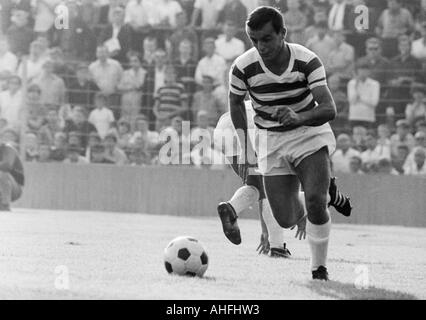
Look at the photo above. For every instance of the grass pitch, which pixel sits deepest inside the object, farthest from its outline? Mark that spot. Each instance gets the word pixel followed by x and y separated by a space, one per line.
pixel 120 256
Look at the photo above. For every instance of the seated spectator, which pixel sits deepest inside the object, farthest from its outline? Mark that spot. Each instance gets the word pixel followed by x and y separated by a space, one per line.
pixel 211 64
pixel 372 155
pixel 340 123
pixel 8 61
pixel 94 139
pixel 82 89
pixel 420 126
pixel 131 85
pixel 73 155
pixel 363 96
pixel 418 48
pixel 359 135
pixel 35 61
pixel 185 66
pixel 74 138
pixel 399 158
pixel 206 101
pixel 417 109
pixel 101 117
pixel 117 36
pixel 31 147
pixel 58 150
pixel 97 155
pixel 419 143
pixel 233 10
pixel 384 166
pixel 50 128
pixel 344 152
pixel 418 166
pixel 139 157
pixel 52 87
pixel 112 152
pixel 141 129
pixel 106 72
pixel 20 34
pixel 227 45
pixel 321 43
pixel 10 136
pixel 171 100
pixel 394 22
pixel 209 11
pixel 11 102
pixel 182 32
pixel 44 153
pixel 78 123
pixel 340 61
pixel 124 134
pixel 355 165
pixel 383 141
pixel 402 136
pixel 202 129
pixel 296 22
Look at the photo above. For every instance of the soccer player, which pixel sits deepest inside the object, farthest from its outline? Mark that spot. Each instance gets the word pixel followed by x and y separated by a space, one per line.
pixel 293 105
pixel 11 176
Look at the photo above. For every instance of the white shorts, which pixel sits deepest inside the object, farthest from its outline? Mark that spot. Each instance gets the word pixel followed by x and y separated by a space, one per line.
pixel 279 153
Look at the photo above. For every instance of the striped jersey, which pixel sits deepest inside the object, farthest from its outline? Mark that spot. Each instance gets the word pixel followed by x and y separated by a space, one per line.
pixel 267 90
pixel 170 97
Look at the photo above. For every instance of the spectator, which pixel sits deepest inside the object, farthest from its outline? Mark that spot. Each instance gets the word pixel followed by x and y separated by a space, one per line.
pixel 420 126
pixel 117 36
pixel 78 123
pixel 94 140
pixel 383 141
pixel 89 13
pixel 10 136
pixel 227 45
pixel 82 89
pixel 359 135
pixel 296 22
pixel 11 102
pixel 211 64
pixel 341 16
pixel 136 15
pixel 418 48
pixel 160 69
pixel 19 34
pixel 340 61
pixel 209 11
pixel 8 61
pixel 31 147
pixel 418 167
pixel 417 109
pixel 97 155
pixel 34 62
pixel 202 129
pixel 106 72
pixel 400 157
pixel 150 47
pixel 372 155
pixel 50 128
pixel 233 10
pixel 73 155
pixel 139 156
pixel 36 112
pixel 185 67
pixel 321 43
pixel 419 142
pixel 112 152
pixel 45 15
pixel 363 96
pixel 182 32
pixel 141 129
pixel 170 100
pixel 169 9
pixel 61 67
pixel 58 150
pixel 44 153
pixel 206 101
pixel 384 166
pixel 101 117
pixel 341 158
pixel 220 92
pixel 124 134
pixel 131 85
pixel 52 87
pixel 340 123
pixel 394 22
pixel 355 165
pixel 106 9
pixel 402 136
pixel 320 16
pixel 176 139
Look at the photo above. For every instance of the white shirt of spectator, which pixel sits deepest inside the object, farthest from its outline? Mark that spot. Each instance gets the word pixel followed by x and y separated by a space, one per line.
pixel 373 156
pixel 418 49
pixel 169 10
pixel 363 99
pixel 229 50
pixel 336 16
pixel 209 12
pixel 34 68
pixel 410 168
pixel 159 80
pixel 213 66
pixel 45 14
pixel 136 13
pixel 342 160
pixel 10 107
pixel 102 119
pixel 8 62
pixel 107 76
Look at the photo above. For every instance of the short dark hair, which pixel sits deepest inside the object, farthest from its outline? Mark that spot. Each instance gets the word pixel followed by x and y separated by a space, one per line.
pixel 260 16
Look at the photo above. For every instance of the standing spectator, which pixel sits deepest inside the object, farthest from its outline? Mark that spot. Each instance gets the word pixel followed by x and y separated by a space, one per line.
pixel 105 11
pixel 101 117
pixel 234 10
pixel 11 102
pixel 340 61
pixel 418 166
pixel 227 45
pixel 48 131
pixel 35 61
pixel 53 88
pixel 19 34
pixel 418 49
pixel 394 22
pixel 131 85
pixel 105 71
pixel 112 152
pixel 8 61
pixel 78 123
pixel 320 16
pixel 206 101
pixel 296 22
pixel 209 11
pixel 341 158
pixel 117 36
pixel 82 89
pixel 402 136
pixel 363 96
pixel 417 109
pixel 321 43
pixel 171 100
pixel 185 67
pixel 341 16
pixel 136 15
pixel 211 64
pixel 169 9
pixel 45 15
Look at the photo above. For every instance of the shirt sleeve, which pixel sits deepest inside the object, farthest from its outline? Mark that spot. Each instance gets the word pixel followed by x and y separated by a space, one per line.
pixel 237 81
pixel 315 72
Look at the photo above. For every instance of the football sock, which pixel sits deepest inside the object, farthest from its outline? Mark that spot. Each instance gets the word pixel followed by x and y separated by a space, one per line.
pixel 275 232
pixel 244 198
pixel 318 236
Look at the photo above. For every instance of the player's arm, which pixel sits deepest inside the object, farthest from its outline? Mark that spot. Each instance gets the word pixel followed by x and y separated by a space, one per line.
pixel 6 165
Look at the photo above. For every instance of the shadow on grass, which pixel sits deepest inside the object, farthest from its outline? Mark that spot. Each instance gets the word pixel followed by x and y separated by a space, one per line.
pixel 339 290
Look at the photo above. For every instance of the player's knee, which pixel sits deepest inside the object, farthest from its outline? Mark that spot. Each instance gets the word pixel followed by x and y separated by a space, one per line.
pixel 285 220
pixel 316 204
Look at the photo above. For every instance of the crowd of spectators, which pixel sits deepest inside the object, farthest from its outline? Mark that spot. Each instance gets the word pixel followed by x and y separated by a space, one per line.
pixel 98 81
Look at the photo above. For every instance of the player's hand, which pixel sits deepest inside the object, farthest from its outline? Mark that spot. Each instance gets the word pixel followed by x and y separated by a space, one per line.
pixel 287 117
pixel 264 246
pixel 301 229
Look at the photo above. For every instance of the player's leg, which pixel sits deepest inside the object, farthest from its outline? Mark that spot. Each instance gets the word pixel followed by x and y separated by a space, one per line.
pixel 314 174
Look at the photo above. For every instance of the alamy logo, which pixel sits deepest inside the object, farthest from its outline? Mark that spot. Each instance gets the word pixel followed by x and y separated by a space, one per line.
pixel 62 20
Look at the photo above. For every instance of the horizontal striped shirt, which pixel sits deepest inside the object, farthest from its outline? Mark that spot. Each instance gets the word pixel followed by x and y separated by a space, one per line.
pixel 268 90
pixel 170 97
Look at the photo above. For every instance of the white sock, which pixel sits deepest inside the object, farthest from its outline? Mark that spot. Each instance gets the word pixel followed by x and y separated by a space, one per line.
pixel 318 236
pixel 244 198
pixel 275 232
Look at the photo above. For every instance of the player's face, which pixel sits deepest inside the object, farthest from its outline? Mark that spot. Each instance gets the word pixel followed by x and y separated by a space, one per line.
pixel 267 42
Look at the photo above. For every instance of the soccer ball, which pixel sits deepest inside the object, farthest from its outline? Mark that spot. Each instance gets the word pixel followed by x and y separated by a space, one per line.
pixel 185 256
